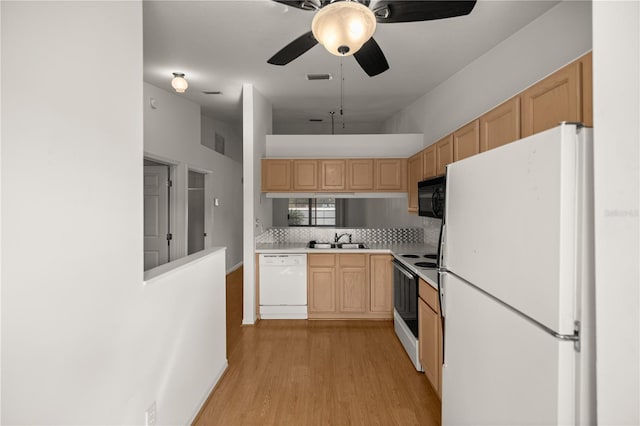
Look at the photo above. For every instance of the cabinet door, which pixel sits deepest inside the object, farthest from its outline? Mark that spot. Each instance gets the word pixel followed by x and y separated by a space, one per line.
pixel 466 141
pixel 333 175
pixel 353 280
pixel 321 289
pixel 414 166
pixel 360 175
pixel 276 175
pixel 587 89
pixel 381 298
pixel 555 99
pixel 305 175
pixel 429 164
pixel 391 174
pixel 428 342
pixel 444 154
pixel 501 125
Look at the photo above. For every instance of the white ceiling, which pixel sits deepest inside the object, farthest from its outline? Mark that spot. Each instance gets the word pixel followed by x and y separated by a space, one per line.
pixel 220 45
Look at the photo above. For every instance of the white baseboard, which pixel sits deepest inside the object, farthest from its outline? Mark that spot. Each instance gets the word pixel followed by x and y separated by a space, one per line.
pixel 216 379
pixel 234 267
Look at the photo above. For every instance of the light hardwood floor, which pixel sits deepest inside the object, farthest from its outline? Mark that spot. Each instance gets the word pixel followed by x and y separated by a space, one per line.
pixel 320 373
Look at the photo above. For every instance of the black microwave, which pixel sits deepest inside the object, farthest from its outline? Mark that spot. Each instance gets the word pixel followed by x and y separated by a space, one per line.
pixel 431 197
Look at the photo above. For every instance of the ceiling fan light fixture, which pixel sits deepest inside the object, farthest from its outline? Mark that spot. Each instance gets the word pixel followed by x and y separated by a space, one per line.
pixel 343 27
pixel 178 83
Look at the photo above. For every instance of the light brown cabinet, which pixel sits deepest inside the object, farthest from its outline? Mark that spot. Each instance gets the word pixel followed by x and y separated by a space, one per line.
pixel 430 335
pixel 276 175
pixel 321 288
pixel 466 141
pixel 429 164
pixel 339 286
pixel 414 175
pixel 353 283
pixel 586 63
pixel 444 154
pixel 555 99
pixel 360 175
pixel 305 175
pixel 333 175
pixel 391 174
pixel 501 125
pixel 381 275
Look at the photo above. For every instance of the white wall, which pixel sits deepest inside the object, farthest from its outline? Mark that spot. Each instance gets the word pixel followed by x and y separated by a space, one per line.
pixel 257 211
pixel 616 71
pixel 232 136
pixel 554 39
pixel 324 128
pixel 546 44
pixel 83 341
pixel 172 131
pixel 343 146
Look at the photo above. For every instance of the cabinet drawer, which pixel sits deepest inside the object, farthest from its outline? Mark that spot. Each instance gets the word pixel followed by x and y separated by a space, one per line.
pixel 429 295
pixel 352 260
pixel 321 260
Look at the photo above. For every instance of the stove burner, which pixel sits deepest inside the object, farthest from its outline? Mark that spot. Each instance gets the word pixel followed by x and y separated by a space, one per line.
pixel 425 264
pixel 410 256
pixel 431 256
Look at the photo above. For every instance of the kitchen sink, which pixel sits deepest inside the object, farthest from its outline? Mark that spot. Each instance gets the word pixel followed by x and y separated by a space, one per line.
pixel 352 246
pixel 327 245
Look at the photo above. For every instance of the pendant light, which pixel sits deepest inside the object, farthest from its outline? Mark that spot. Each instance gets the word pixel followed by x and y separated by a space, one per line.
pixel 343 27
pixel 179 83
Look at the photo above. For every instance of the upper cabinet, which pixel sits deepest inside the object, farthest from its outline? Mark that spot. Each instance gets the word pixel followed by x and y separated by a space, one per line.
pixel 501 125
pixel 555 99
pixel 466 141
pixel 444 154
pixel 586 63
pixel 360 174
pixel 305 175
pixel 429 162
pixel 276 175
pixel 333 175
pixel 414 174
pixel 391 174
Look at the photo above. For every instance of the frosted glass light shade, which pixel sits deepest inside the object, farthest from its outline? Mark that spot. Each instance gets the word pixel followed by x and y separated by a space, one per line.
pixel 179 83
pixel 343 27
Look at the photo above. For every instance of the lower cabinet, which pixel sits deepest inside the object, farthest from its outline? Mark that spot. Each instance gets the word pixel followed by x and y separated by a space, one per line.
pixel 339 286
pixel 430 335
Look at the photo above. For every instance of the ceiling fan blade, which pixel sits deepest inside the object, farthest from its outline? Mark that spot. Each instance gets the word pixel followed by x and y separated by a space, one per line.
pixel 294 49
pixel 388 11
pixel 301 4
pixel 371 58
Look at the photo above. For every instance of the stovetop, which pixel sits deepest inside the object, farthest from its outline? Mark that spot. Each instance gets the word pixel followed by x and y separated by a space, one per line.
pixel 421 260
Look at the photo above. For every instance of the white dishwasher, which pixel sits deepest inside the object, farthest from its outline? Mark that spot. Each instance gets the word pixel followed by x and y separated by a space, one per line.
pixel 283 286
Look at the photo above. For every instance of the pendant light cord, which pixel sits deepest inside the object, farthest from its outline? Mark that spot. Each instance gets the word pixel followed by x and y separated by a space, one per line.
pixel 341 93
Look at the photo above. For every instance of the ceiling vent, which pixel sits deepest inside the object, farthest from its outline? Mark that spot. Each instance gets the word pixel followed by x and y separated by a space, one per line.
pixel 316 120
pixel 313 77
pixel 214 92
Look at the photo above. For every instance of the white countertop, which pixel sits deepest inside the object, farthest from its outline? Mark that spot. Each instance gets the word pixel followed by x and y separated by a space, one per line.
pixel 429 275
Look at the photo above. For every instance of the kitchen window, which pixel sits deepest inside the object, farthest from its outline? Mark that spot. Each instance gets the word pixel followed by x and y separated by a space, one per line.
pixel 312 212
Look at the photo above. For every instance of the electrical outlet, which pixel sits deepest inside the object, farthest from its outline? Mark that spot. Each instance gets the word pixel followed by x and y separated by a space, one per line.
pixel 151 415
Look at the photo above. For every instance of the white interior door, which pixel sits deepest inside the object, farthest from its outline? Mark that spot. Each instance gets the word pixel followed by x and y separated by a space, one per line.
pixel 156 216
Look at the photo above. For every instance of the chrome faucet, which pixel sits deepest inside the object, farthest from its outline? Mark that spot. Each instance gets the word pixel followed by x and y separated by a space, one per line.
pixel 337 237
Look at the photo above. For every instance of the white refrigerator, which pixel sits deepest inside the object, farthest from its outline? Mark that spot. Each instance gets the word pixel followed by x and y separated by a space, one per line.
pixel 516 284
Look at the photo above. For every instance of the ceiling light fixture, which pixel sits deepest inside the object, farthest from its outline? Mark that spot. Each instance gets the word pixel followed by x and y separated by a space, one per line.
pixel 343 27
pixel 179 83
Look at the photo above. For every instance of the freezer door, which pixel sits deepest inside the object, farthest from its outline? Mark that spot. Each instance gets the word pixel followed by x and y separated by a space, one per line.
pixel 511 218
pixel 500 369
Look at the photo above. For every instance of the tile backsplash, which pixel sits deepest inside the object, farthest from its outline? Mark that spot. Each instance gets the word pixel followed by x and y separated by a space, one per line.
pixel 367 235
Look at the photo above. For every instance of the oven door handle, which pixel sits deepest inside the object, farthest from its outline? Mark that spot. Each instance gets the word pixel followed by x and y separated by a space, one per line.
pixel 401 268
